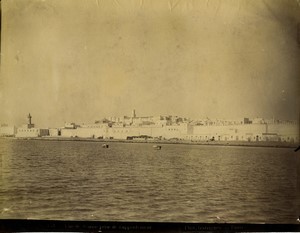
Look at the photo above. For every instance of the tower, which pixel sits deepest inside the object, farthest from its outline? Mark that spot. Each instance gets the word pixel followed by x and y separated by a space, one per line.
pixel 133 113
pixel 29 119
pixel 29 125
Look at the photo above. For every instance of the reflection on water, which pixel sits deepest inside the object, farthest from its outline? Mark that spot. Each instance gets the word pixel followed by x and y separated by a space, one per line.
pixel 133 182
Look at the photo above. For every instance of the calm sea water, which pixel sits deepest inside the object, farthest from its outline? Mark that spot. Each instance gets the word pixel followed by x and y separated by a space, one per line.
pixel 133 182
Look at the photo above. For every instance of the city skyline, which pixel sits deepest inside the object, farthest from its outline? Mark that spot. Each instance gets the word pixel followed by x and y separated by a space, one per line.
pixel 164 128
pixel 80 61
pixel 116 119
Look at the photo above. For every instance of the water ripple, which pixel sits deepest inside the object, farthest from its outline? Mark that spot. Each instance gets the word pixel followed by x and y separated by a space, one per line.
pixel 133 182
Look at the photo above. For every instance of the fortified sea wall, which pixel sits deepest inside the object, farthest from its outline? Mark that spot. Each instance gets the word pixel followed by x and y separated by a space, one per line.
pixel 168 128
pixel 247 132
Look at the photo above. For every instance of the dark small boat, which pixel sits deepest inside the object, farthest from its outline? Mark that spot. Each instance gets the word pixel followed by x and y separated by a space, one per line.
pixel 105 146
pixel 156 147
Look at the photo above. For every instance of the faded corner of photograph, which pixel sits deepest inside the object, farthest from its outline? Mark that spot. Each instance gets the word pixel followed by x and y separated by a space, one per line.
pixel 150 111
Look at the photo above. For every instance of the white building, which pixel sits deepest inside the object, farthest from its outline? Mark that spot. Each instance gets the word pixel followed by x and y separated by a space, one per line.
pixel 29 131
pixel 7 131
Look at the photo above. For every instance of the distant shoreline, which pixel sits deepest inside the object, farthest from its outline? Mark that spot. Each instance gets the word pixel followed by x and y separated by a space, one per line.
pixel 184 142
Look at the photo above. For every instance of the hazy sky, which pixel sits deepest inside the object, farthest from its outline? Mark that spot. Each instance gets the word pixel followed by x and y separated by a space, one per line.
pixel 81 60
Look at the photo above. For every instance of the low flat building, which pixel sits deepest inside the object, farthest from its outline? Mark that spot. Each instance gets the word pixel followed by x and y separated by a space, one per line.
pixel 31 132
pixel 54 132
pixel 7 131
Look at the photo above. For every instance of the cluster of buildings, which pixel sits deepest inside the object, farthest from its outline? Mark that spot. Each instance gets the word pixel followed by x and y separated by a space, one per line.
pixel 166 128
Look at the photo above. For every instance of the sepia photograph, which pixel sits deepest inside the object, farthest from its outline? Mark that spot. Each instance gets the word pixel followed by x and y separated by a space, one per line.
pixel 149 112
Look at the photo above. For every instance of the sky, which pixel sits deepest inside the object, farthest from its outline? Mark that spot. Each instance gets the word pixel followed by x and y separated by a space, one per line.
pixel 82 60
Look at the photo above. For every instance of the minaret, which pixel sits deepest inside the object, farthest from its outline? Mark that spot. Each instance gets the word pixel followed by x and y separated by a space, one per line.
pixel 30 125
pixel 29 119
pixel 133 113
